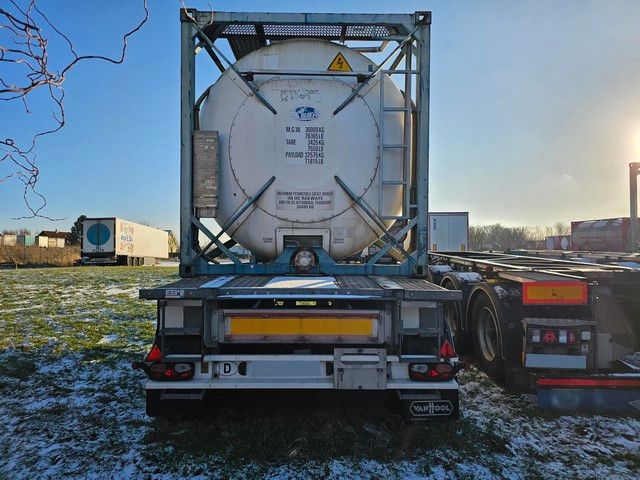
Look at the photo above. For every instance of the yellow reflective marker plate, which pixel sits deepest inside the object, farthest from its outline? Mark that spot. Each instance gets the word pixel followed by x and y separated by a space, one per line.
pixel 554 293
pixel 339 64
pixel 298 325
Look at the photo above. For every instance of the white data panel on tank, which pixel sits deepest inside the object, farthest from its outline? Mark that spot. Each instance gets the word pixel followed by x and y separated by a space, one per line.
pixel 304 153
pixel 304 146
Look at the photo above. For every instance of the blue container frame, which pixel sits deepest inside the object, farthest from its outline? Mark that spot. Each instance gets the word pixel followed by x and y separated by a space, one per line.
pixel 200 30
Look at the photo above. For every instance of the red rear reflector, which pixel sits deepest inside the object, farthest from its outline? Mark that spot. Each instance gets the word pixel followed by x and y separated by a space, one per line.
pixel 549 337
pixel 447 351
pixel 155 355
pixel 589 382
pixel 554 293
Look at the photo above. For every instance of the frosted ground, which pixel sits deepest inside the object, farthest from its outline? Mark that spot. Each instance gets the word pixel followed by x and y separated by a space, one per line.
pixel 71 407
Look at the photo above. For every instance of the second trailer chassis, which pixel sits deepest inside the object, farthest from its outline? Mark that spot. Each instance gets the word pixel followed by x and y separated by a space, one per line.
pixel 564 328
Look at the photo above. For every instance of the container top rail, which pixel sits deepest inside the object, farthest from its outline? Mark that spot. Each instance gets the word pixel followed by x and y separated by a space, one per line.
pixel 250 31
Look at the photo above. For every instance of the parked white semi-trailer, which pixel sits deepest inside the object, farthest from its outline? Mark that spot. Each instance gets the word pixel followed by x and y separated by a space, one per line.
pixel 114 241
pixel 449 231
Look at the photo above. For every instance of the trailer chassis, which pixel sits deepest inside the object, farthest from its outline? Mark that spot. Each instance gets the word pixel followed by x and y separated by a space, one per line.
pixel 304 332
pixel 555 326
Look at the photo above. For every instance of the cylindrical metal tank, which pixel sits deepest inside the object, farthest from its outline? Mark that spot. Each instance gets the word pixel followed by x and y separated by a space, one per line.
pixel 558 242
pixel 305 146
pixel 606 235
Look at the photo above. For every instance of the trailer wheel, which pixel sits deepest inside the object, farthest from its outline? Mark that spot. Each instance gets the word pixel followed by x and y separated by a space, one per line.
pixel 453 317
pixel 486 336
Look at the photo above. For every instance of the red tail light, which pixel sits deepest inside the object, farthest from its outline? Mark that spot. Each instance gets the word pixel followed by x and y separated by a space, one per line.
pixel 171 371
pixel 423 372
pixel 155 355
pixel 447 351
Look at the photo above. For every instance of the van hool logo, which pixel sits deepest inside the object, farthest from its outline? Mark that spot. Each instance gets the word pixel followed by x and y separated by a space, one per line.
pixel 429 408
pixel 305 114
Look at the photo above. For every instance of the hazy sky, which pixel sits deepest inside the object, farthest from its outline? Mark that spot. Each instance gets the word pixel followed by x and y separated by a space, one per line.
pixel 535 110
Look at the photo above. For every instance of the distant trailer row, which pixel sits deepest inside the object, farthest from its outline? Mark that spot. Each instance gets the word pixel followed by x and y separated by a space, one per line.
pixel 622 259
pixel 46 239
pixel 602 235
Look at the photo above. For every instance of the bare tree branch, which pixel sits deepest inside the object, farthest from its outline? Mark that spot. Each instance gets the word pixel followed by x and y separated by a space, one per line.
pixel 24 39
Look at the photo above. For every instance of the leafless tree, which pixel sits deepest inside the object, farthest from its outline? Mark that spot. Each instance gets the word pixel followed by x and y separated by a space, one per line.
pixel 500 237
pixel 560 228
pixel 25 35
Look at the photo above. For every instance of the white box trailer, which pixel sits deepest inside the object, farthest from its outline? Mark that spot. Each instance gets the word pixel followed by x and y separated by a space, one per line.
pixel 449 231
pixel 112 240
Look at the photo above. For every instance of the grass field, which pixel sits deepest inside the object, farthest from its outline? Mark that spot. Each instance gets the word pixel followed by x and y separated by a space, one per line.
pixel 71 407
pixel 19 255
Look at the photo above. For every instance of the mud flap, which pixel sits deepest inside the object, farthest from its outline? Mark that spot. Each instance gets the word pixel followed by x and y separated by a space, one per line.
pixel 175 403
pixel 433 406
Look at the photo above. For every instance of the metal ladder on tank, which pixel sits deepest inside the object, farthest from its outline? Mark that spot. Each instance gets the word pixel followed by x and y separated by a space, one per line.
pixel 405 145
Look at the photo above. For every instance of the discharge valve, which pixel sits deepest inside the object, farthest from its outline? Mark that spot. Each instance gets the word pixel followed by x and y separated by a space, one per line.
pixel 304 260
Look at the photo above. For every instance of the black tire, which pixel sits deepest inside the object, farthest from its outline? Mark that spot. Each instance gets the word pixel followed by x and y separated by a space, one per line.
pixel 155 405
pixel 486 319
pixel 453 317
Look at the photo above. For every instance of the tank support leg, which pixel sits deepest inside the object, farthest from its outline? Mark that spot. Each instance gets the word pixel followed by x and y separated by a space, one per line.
pixel 387 236
pixel 236 215
pixel 357 90
pixel 387 247
pixel 249 84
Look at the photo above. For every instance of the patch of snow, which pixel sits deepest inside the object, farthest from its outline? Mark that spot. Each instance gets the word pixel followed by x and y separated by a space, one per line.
pixel 108 339
pixel 469 276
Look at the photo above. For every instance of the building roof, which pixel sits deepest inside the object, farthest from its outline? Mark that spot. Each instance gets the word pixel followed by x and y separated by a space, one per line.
pixel 52 234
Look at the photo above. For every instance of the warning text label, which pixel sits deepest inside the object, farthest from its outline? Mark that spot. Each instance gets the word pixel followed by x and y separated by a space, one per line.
pixel 297 200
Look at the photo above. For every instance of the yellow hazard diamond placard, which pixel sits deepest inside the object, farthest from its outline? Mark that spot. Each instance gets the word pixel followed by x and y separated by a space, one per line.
pixel 339 64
